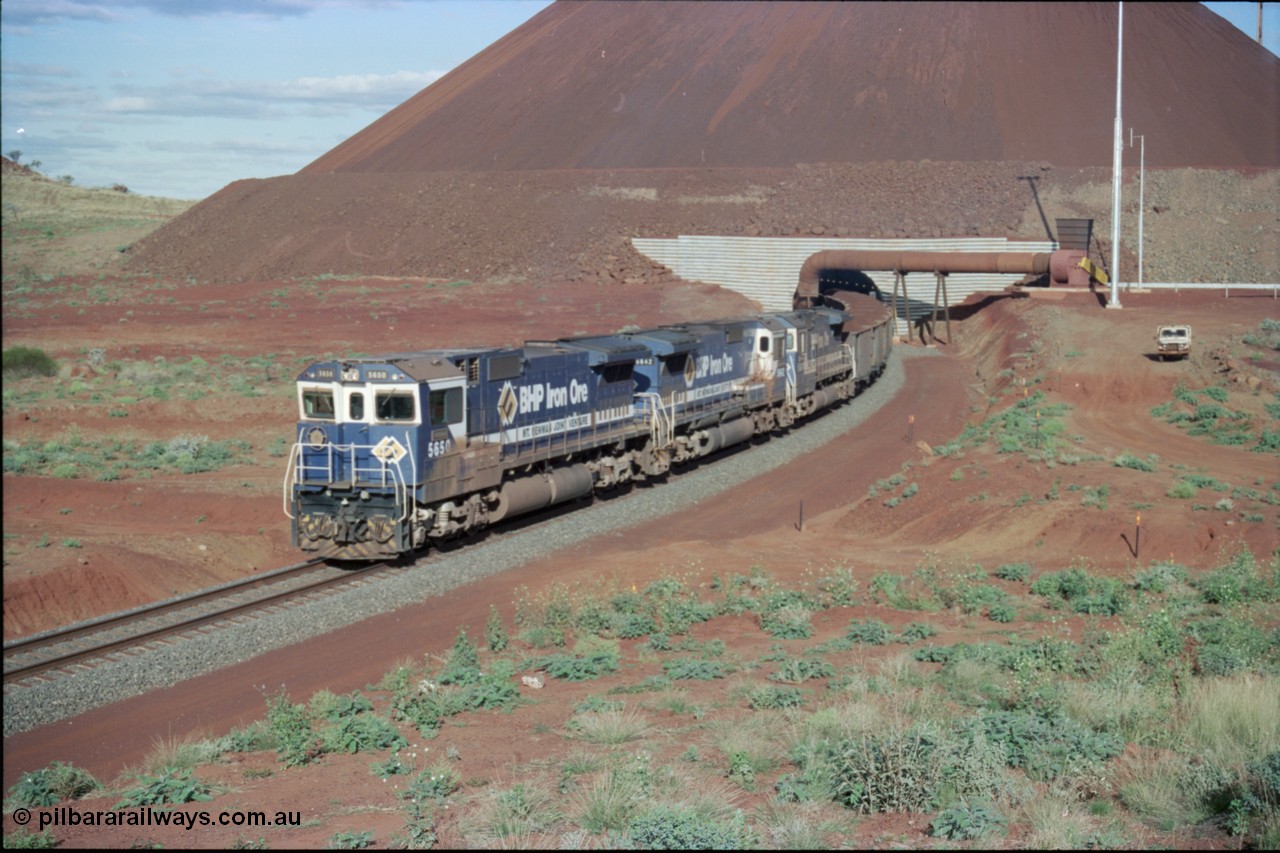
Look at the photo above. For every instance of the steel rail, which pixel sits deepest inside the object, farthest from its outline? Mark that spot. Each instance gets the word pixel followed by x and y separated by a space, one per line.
pixel 29 645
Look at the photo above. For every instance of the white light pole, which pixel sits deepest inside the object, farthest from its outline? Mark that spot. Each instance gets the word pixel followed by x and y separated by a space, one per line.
pixel 1142 180
pixel 1118 144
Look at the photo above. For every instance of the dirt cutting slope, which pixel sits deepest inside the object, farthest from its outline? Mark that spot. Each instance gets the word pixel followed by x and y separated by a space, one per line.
pixel 607 85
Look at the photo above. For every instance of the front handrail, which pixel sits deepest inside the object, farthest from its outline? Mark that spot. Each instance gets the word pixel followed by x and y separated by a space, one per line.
pixel 661 422
pixel 382 474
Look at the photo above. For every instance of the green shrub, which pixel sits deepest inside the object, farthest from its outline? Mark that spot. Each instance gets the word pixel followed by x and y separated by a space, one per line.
pixel 695 669
pixel 872 632
pixel 629 626
pixel 768 696
pixel 333 708
pixel 1003 612
pixel 1159 577
pixel 434 784
pixel 256 737
pixel 23 839
pixel 789 622
pixel 1082 592
pixel 1046 747
pixel 463 665
pixel 582 667
pixel 917 631
pixel 916 592
pixel 838 587
pixel 23 362
pixel 974 598
pixel 798 670
pixel 893 772
pixel 170 787
pixel 659 642
pixel 1264 779
pixel 965 822
pixel 362 733
pixel 350 840
pixel 1227 645
pixel 494 691
pixel 1216 392
pixel 52 785
pixel 1020 572
pixel 678 827
pixel 1237 581
pixel 1128 460
pixel 394 765
pixel 495 632
pixel 812 785
pixel 290 725
pixel 595 703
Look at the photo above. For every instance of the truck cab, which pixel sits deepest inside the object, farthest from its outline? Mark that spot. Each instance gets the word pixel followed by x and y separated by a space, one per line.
pixel 1173 341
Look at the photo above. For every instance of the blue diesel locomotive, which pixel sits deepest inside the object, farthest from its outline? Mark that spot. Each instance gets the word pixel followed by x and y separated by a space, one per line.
pixel 391 453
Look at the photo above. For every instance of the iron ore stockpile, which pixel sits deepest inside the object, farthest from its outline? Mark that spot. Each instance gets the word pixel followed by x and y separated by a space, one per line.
pixel 774 119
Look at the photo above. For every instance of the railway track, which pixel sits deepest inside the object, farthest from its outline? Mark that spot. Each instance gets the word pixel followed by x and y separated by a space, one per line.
pixel 45 655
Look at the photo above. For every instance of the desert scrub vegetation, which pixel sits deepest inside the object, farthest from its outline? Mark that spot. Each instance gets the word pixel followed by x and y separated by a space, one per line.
pixel 1267 335
pixel 1167 720
pixel 51 785
pixel 1205 412
pixel 73 456
pixel 24 362
pixel 116 384
pixel 1031 426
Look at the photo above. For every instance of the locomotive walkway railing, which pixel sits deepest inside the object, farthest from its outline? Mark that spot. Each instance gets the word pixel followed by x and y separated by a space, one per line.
pixel 386 473
pixel 661 422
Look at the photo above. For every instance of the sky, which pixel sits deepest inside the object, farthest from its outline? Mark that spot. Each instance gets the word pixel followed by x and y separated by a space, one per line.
pixel 179 98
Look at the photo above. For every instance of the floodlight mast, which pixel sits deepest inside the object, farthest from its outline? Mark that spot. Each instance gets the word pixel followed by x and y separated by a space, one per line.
pixel 1117 146
pixel 1142 182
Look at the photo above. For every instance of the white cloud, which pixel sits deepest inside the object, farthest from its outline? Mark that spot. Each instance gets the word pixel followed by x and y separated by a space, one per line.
pixel 350 88
pixel 27 13
pixel 33 69
pixel 128 105
pixel 270 99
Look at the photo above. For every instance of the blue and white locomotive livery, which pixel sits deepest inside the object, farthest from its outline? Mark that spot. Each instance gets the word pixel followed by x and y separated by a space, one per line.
pixel 391 453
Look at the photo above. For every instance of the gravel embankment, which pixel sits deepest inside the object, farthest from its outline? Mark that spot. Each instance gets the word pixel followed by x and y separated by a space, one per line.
pixel 31 706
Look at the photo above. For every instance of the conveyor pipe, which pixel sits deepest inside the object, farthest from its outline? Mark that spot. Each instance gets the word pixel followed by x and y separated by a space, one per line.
pixel 881 260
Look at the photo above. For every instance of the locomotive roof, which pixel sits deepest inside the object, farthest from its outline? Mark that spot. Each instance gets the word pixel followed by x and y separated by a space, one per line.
pixel 609 349
pixel 666 341
pixel 423 366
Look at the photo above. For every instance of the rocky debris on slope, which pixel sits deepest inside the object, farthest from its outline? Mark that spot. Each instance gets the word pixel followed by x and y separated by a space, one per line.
pixel 579 225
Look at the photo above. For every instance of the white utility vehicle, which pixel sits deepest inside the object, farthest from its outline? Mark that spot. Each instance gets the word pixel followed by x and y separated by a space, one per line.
pixel 1173 341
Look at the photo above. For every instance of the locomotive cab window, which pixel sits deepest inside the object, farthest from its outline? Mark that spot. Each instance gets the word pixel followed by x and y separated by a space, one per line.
pixel 355 407
pixel 764 343
pixel 445 406
pixel 395 406
pixel 317 404
pixel 674 364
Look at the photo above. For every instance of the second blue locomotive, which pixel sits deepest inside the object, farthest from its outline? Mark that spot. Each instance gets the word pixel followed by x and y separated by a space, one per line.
pixel 393 452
